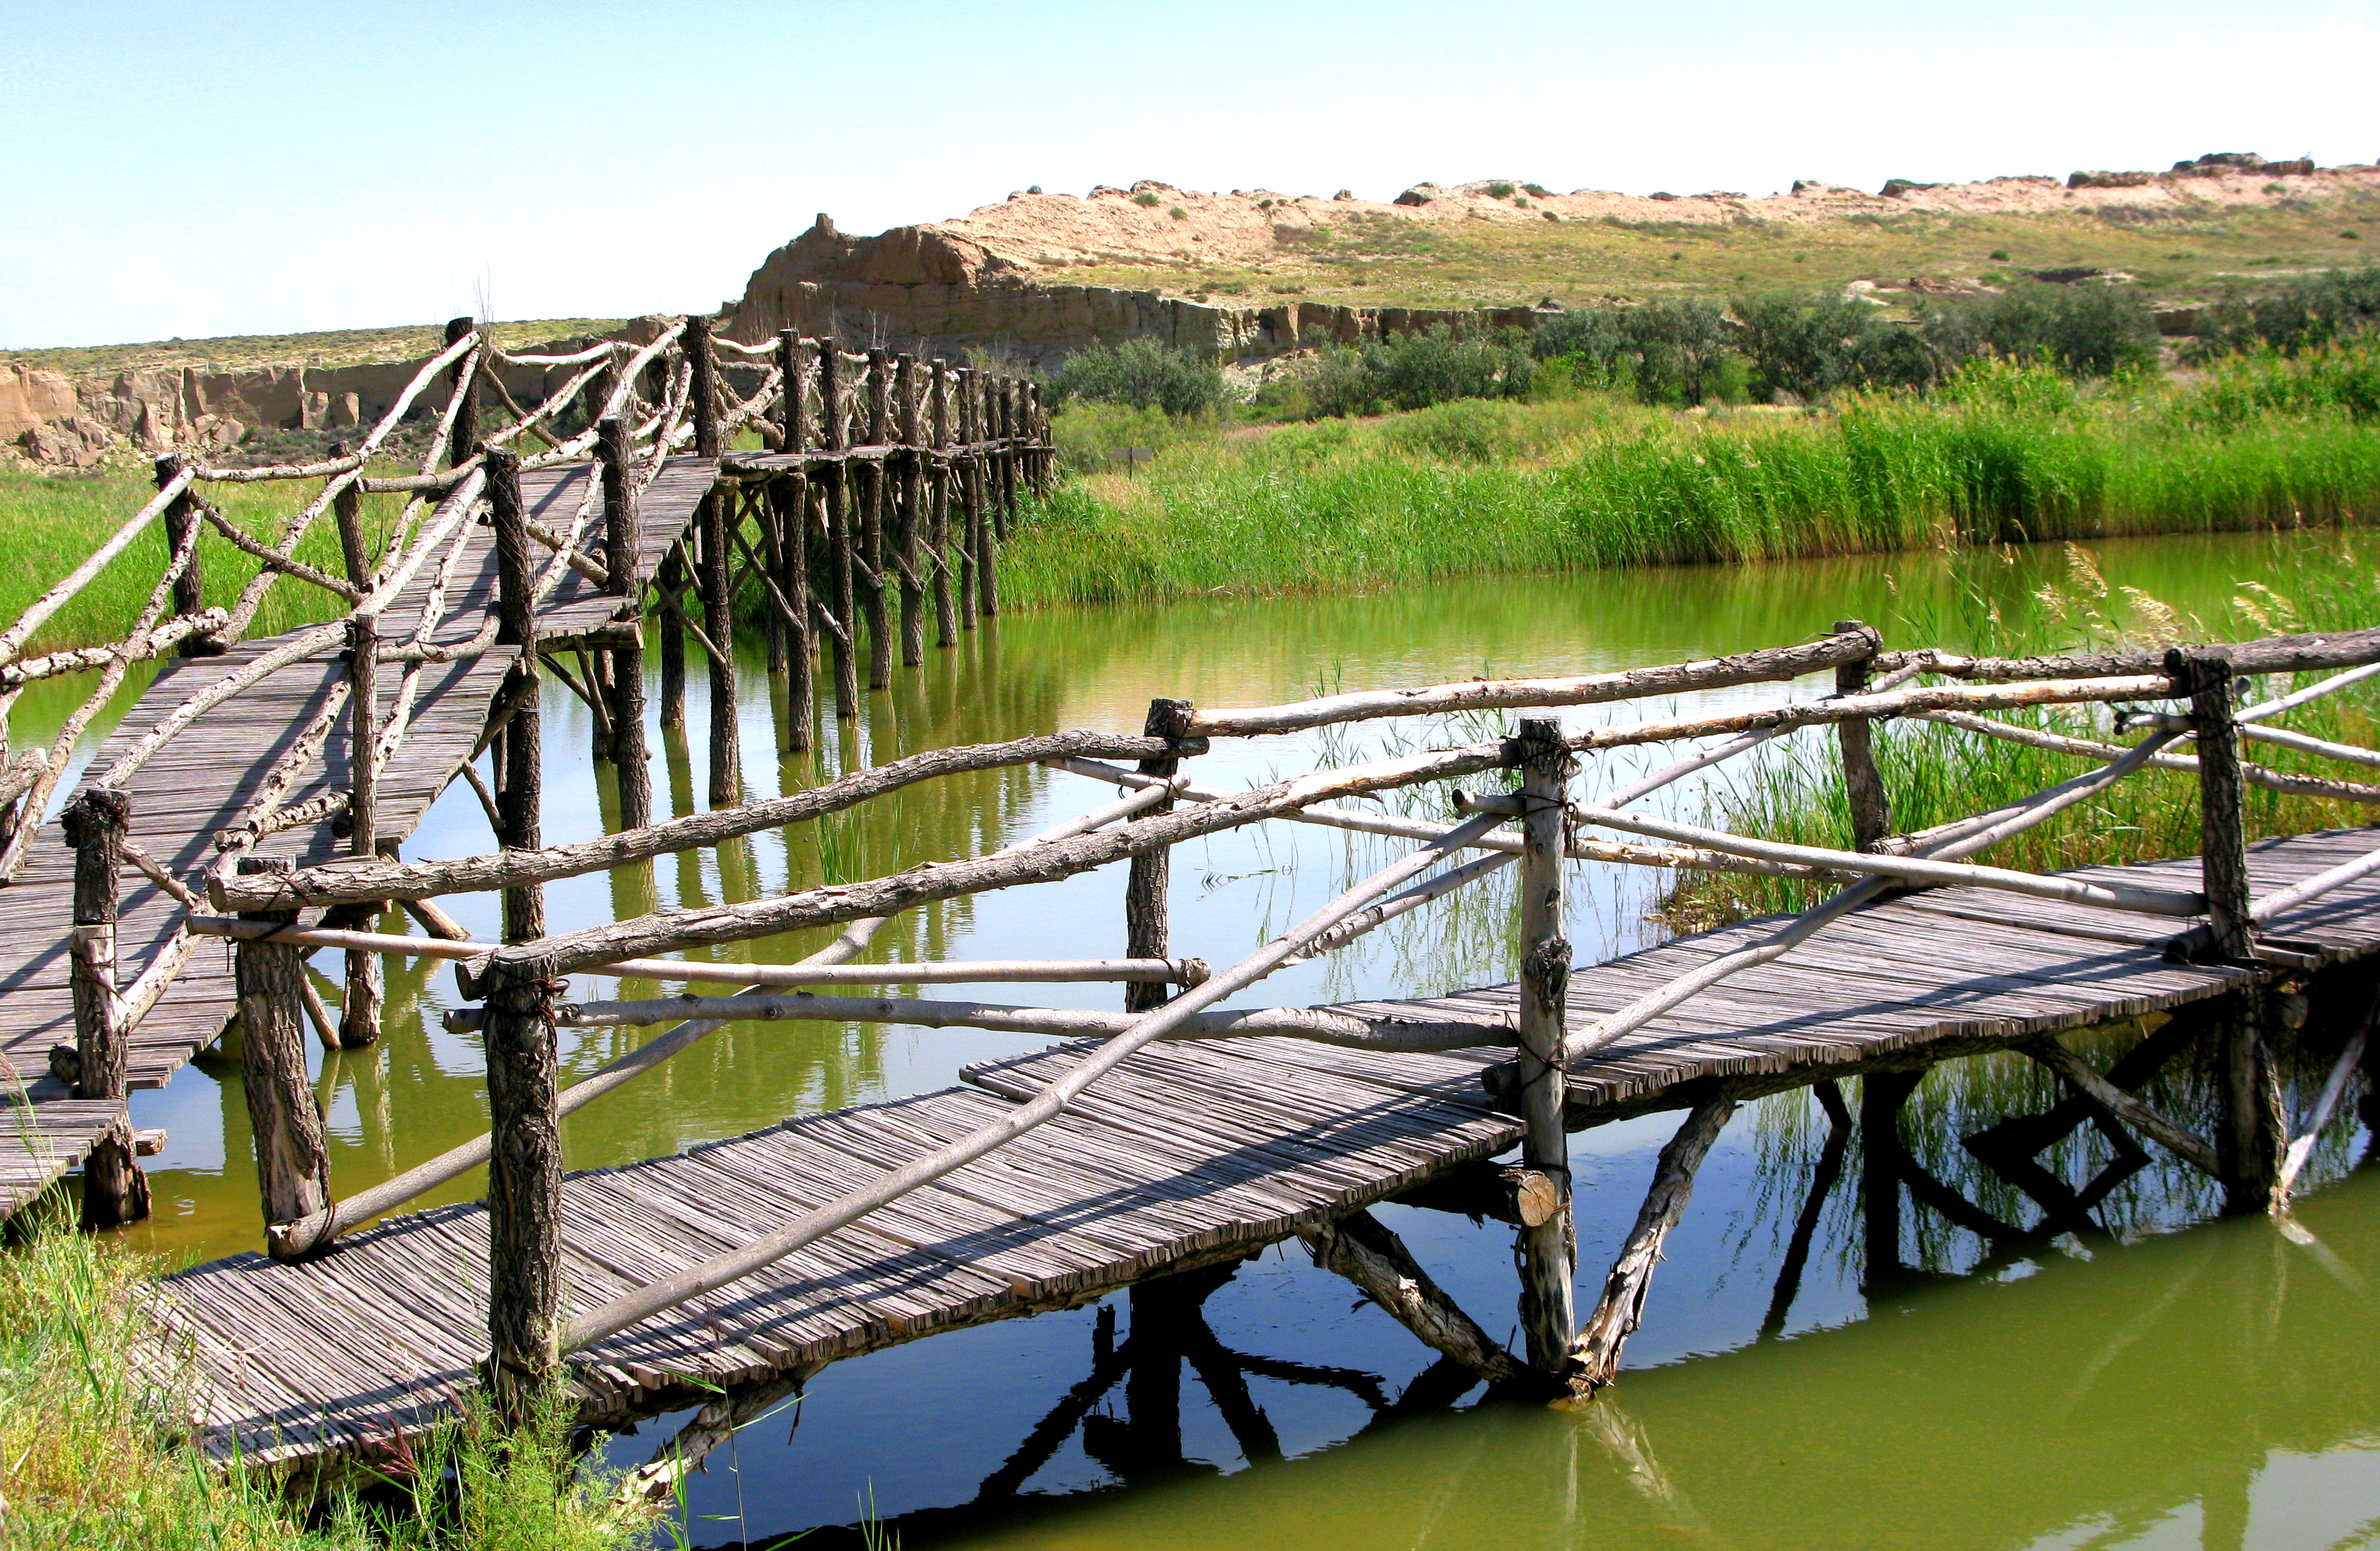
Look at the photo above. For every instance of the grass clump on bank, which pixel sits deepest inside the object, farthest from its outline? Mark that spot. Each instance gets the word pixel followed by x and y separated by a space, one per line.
pixel 93 1456
pixel 1935 774
pixel 1583 480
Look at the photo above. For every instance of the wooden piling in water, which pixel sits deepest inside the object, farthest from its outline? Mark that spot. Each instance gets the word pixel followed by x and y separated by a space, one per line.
pixel 910 528
pixel 871 527
pixel 1144 925
pixel 115 1191
pixel 1871 806
pixel 2255 1135
pixel 789 499
pixel 293 1158
pixel 842 592
pixel 519 779
pixel 712 521
pixel 1622 1307
pixel 524 1187
pixel 623 562
pixel 671 583
pixel 1548 1251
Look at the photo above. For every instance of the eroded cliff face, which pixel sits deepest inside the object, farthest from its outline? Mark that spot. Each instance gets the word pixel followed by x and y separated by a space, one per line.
pixel 929 291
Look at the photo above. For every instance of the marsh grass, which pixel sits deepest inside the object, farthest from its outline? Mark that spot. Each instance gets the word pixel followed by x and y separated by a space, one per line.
pixel 2007 454
pixel 93 1456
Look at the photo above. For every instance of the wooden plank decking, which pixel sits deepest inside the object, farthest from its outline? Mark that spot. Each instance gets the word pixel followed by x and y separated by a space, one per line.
pixel 1187 1152
pixel 202 781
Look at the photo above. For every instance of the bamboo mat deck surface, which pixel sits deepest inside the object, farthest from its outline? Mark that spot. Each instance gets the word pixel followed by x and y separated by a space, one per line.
pixel 1185 1150
pixel 202 780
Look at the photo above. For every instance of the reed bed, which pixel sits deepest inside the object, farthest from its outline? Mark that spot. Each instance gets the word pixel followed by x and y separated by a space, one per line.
pixel 2007 453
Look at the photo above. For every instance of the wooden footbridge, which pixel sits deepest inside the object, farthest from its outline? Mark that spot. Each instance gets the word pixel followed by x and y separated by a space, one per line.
pixel 1173 1134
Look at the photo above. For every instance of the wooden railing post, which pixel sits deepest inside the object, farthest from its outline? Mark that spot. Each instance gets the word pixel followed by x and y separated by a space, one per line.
pixel 789 497
pixel 524 1188
pixel 841 590
pixel 360 1012
pixel 624 565
pixel 871 527
pixel 113 1190
pixel 347 513
pixel 1548 1251
pixel 1006 389
pixel 1871 806
pixel 909 531
pixel 949 613
pixel 519 779
pixel 712 521
pixel 189 587
pixel 2254 1139
pixel 463 439
pixel 293 1160
pixel 1144 925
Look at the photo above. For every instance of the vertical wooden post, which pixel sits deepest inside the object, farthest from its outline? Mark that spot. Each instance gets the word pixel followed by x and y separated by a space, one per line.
pixel 623 564
pixel 463 439
pixel 910 530
pixel 360 1012
pixel 790 499
pixel 1144 925
pixel 1871 806
pixel 519 779
pixel 1882 1094
pixel 524 1188
pixel 1004 389
pixel 671 583
pixel 2255 1134
pixel 871 529
pixel 293 1161
pixel 189 587
pixel 844 594
pixel 770 550
pixel 946 624
pixel 987 507
pixel 347 513
pixel 712 520
pixel 1548 1252
pixel 1036 422
pixel 114 1188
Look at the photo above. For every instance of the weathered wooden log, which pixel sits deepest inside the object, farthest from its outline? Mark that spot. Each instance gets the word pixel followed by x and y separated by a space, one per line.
pixel 1548 1251
pixel 712 519
pixel 326 1028
pixel 875 397
pixel 642 1303
pixel 360 1011
pixel 2266 710
pixel 2276 654
pixel 351 882
pixel 623 531
pixel 1595 1361
pixel 1360 1248
pixel 2253 1138
pixel 293 1161
pixel 13 639
pixel 463 402
pixel 519 792
pixel 1871 806
pixel 1144 926
pixel 671 583
pixel 524 1191
pixel 2288 781
pixel 842 595
pixel 181 519
pixel 115 1191
pixel 2127 1107
pixel 911 527
pixel 946 627
pixel 2333 1088
pixel 987 508
pixel 789 499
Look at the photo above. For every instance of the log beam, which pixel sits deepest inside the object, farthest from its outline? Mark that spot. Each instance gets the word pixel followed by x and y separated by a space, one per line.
pixel 1622 1308
pixel 1359 1248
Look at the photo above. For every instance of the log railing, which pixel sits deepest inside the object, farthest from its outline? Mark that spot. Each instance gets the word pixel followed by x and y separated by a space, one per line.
pixel 633 407
pixel 2181 699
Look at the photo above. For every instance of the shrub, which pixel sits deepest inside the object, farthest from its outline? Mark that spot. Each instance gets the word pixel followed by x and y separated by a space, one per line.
pixel 1466 431
pixel 1145 198
pixel 1416 371
pixel 2092 330
pixel 1141 373
pixel 1810 347
pixel 2311 310
pixel 2340 378
pixel 1501 190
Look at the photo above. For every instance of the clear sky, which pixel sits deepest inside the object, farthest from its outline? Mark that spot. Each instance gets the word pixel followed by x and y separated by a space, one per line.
pixel 193 169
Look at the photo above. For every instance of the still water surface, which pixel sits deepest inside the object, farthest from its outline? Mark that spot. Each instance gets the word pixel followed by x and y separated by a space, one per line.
pixel 2143 1388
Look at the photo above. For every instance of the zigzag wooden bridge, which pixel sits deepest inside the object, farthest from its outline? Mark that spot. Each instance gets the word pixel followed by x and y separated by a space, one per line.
pixel 1172 1135
pixel 242 752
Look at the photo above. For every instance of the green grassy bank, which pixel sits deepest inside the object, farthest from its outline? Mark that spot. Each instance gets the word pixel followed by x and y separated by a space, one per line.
pixel 1587 481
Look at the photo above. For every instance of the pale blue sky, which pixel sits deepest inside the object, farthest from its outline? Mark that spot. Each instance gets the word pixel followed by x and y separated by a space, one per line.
pixel 200 169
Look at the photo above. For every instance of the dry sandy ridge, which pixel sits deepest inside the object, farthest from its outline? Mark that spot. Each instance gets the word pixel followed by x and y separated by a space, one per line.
pixel 1139 224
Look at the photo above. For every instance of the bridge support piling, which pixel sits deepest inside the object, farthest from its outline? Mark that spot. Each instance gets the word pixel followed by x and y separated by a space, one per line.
pixel 2255 1134
pixel 712 519
pixel 987 573
pixel 671 583
pixel 293 1160
pixel 623 564
pixel 1622 1307
pixel 843 592
pixel 360 1008
pixel 789 500
pixel 871 529
pixel 1361 1249
pixel 519 791
pixel 115 1191
pixel 524 1188
pixel 1862 783
pixel 909 530
pixel 1548 1252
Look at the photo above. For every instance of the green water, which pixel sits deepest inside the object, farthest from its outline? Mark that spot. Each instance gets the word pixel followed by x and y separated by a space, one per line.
pixel 2140 1386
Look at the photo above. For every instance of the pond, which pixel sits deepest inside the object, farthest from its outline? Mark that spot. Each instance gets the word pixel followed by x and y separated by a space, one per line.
pixel 2140 1387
